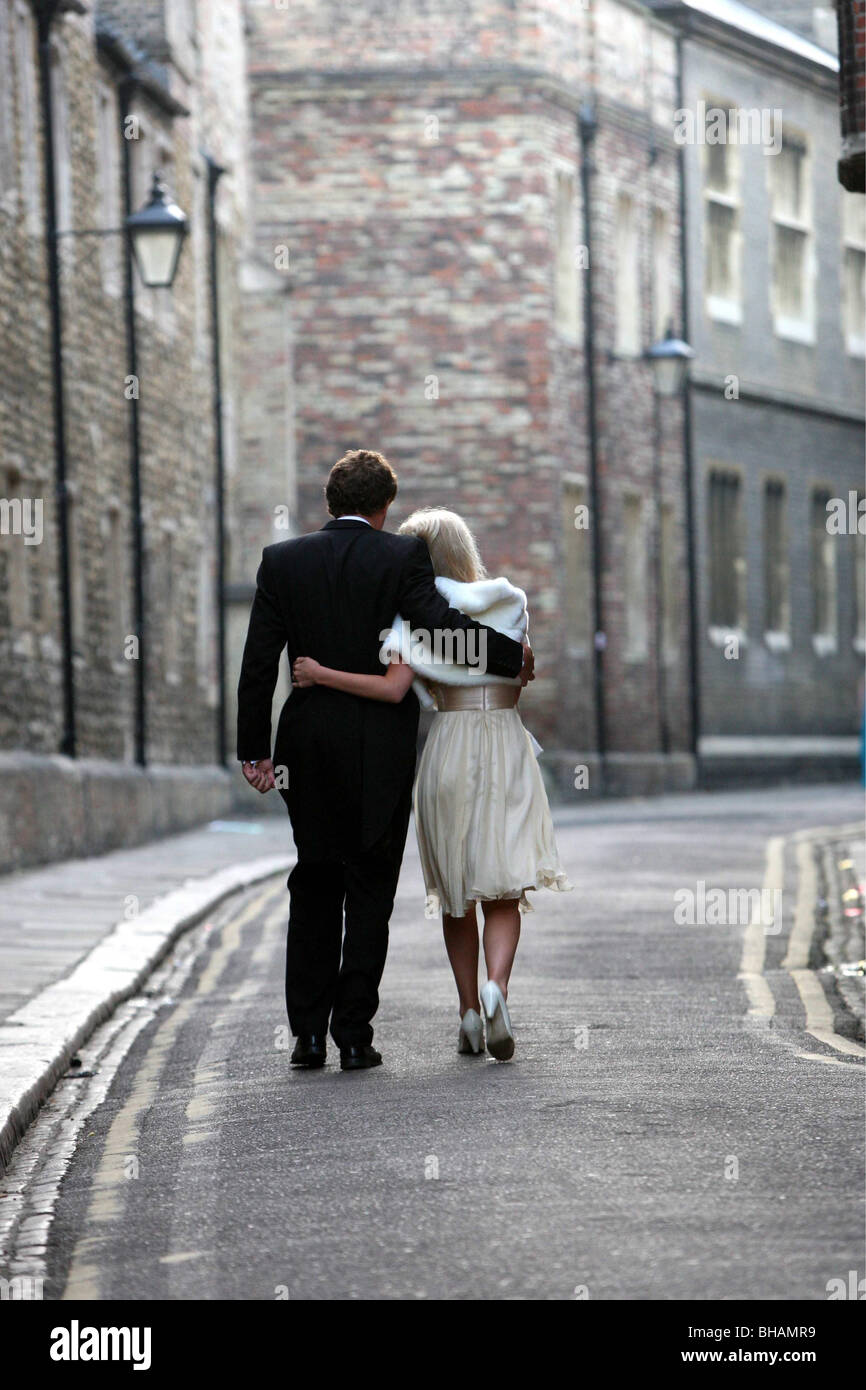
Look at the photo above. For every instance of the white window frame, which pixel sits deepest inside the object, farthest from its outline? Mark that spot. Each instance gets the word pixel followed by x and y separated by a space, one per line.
pixel 566 286
pixel 8 153
pixel 724 308
pixel 28 125
pixel 110 176
pixel 795 330
pixel 662 278
pixel 64 190
pixel 636 639
pixel 627 345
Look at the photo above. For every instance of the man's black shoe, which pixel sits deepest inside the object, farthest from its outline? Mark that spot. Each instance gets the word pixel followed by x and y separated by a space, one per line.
pixel 309 1051
pixel 355 1057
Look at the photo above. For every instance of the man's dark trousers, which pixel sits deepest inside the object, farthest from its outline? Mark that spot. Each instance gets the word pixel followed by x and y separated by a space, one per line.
pixel 318 985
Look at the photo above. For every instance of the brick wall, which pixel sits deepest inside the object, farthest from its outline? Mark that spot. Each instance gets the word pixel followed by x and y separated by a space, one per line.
pixel 411 169
pixel 851 16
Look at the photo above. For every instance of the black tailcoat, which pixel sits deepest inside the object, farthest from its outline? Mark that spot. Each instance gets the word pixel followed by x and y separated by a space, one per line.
pixel 330 595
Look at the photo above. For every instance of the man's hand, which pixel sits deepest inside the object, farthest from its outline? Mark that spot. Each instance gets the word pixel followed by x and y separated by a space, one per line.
pixel 261 776
pixel 527 671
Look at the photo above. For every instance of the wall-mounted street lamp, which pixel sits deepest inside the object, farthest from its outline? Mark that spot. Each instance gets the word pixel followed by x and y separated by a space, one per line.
pixel 154 238
pixel 669 358
pixel 156 235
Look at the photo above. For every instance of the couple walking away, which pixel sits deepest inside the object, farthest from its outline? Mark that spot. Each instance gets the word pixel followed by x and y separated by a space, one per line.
pixel 347 739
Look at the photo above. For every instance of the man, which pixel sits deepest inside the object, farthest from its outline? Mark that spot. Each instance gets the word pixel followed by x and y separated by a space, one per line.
pixel 350 762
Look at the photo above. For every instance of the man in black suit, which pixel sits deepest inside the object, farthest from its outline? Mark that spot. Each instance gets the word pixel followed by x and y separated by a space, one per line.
pixel 350 762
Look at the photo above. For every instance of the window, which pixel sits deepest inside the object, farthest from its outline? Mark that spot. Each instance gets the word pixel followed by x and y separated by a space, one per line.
pixel 727 563
pixel 566 289
pixel 110 202
pixel 791 277
pixel 13 508
pixel 669 582
pixel 200 268
pixel 117 586
pixel 62 160
pixel 25 62
pixel 169 608
pixel 777 616
pixel 577 569
pixel 77 591
pixel 823 566
pixel 627 278
pixel 662 298
pixel 635 587
pixel 206 633
pixel 722 233
pixel 7 123
pixel 627 303
pixel 141 156
pixel 853 273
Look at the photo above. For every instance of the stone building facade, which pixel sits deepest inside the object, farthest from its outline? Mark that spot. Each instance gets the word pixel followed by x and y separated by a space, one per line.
pixel 775 257
pixel 188 98
pixel 425 173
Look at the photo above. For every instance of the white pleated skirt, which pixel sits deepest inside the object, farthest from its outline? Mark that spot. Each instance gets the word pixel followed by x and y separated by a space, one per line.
pixel 481 813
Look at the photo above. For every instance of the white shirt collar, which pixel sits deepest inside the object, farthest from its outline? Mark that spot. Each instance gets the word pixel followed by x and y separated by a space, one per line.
pixel 354 518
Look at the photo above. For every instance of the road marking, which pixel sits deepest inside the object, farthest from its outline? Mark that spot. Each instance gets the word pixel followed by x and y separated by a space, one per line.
pixel 800 941
pixel 828 1061
pixel 761 1002
pixel 106 1203
pixel 819 1015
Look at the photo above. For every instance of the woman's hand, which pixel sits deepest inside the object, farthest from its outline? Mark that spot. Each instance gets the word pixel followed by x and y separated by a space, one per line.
pixel 305 671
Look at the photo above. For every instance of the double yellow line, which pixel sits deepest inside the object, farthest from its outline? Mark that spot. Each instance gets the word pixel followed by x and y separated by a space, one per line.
pixel 762 1005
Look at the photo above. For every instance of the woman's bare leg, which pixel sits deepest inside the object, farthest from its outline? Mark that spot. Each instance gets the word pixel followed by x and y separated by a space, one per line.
pixel 501 935
pixel 461 943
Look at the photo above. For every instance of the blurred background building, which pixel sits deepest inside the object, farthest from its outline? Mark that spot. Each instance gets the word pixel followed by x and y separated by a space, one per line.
pixel 452 235
pixel 774 265
pixel 483 214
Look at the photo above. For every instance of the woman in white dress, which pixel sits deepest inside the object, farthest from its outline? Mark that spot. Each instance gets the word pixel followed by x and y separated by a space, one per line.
pixel 481 814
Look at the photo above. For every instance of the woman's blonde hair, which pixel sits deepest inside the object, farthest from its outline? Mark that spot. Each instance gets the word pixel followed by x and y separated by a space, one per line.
pixel 453 548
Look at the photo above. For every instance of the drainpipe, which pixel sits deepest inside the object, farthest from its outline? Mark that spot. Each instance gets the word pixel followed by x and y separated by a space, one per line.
pixel 125 90
pixel 587 125
pixel 46 12
pixel 214 171
pixel 688 456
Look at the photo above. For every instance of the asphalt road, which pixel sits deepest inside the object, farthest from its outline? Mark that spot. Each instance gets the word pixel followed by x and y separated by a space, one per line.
pixel 652 1138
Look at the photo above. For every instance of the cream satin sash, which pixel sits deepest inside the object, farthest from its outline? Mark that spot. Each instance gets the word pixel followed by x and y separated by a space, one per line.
pixel 458 697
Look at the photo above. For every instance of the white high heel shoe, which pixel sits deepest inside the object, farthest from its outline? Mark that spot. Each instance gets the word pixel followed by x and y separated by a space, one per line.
pixel 471 1036
pixel 500 1038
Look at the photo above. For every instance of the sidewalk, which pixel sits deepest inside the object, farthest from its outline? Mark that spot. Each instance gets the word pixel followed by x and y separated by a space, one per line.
pixel 79 936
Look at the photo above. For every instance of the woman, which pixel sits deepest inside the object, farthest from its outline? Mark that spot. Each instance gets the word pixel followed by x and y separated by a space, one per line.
pixel 481 813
